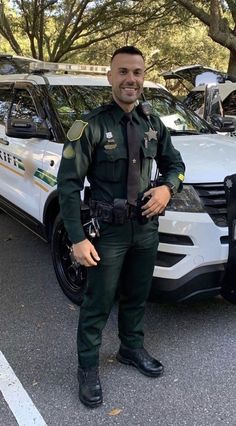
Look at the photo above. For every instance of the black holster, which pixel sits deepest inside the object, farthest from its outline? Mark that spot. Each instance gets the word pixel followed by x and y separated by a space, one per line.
pixel 101 210
pixel 120 211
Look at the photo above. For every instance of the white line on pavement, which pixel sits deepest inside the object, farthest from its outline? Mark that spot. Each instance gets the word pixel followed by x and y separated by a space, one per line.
pixel 21 405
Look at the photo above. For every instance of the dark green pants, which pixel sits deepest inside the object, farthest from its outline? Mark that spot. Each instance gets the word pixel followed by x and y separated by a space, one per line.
pixel 127 255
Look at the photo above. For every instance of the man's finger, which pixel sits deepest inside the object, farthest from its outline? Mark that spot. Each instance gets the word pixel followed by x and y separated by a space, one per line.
pixel 94 253
pixel 90 262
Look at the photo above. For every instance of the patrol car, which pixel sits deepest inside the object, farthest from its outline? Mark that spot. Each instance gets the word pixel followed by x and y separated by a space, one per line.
pixel 193 80
pixel 36 110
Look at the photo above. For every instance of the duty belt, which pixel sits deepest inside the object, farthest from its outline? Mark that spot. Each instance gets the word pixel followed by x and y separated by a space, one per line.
pixel 118 212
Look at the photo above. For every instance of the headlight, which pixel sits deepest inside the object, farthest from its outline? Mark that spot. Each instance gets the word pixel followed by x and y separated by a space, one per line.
pixel 187 200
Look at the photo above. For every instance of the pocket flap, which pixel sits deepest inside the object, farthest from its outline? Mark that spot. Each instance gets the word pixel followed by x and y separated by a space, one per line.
pixel 111 154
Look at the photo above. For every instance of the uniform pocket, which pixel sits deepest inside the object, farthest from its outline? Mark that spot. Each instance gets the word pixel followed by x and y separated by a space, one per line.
pixel 111 164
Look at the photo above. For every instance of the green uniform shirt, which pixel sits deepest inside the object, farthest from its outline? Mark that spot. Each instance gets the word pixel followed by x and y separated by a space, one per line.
pixel 98 149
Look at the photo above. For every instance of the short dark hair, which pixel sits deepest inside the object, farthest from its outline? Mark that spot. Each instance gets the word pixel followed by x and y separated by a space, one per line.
pixel 131 50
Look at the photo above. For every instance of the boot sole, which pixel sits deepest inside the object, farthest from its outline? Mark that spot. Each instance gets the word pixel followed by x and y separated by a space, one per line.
pixel 128 361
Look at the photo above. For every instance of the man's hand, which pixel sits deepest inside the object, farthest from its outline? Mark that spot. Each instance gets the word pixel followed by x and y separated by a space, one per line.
pixel 85 253
pixel 159 198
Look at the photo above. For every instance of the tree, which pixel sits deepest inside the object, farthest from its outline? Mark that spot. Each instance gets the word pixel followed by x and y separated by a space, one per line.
pixel 57 29
pixel 168 40
pixel 89 31
pixel 219 16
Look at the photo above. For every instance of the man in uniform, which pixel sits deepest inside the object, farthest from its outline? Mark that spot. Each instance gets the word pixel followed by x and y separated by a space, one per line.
pixel 115 147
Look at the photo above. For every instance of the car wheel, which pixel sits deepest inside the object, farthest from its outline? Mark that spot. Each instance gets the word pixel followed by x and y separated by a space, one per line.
pixel 71 276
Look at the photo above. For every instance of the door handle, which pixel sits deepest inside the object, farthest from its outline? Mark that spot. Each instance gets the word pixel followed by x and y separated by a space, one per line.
pixel 4 141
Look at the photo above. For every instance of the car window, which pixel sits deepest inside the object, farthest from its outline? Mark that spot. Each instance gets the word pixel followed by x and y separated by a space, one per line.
pixel 23 106
pixel 71 102
pixel 5 101
pixel 174 114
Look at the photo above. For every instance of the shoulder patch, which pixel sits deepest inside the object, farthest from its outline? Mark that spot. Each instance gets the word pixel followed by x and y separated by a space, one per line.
pixel 76 130
pixel 68 152
pixel 181 177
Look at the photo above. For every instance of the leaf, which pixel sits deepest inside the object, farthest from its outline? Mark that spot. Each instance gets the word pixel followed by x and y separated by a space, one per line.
pixel 71 307
pixel 115 412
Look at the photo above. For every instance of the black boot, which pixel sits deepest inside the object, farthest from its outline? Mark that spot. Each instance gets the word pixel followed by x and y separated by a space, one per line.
pixel 140 359
pixel 90 391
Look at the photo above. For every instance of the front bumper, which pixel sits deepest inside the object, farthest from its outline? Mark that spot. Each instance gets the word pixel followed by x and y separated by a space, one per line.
pixel 204 282
pixel 191 259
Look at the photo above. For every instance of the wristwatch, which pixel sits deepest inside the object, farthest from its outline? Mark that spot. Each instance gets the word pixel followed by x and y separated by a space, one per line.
pixel 171 187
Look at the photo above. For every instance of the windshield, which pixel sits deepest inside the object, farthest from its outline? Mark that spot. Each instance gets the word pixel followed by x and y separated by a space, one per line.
pixel 176 117
pixel 194 100
pixel 71 102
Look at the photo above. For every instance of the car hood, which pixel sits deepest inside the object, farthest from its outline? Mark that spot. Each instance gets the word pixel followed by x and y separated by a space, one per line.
pixel 208 158
pixel 198 74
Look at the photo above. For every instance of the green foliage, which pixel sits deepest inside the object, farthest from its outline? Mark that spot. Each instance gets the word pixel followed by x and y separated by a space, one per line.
pixel 89 31
pixel 219 16
pixel 164 49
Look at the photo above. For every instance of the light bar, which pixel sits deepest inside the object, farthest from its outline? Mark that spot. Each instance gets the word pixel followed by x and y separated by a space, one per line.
pixel 63 67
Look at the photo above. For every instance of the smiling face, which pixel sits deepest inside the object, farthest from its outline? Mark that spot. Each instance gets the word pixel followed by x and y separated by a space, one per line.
pixel 126 77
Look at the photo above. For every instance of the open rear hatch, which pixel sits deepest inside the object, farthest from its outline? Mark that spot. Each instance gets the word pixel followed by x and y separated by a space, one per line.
pixel 195 75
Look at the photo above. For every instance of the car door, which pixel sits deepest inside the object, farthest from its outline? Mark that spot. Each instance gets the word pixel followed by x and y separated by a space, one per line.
pixel 23 156
pixel 5 101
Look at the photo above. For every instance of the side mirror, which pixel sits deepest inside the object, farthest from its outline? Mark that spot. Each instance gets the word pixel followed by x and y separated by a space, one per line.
pixel 26 129
pixel 213 110
pixel 212 103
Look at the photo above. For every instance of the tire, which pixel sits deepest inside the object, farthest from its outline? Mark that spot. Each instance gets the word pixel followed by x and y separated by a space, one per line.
pixel 72 279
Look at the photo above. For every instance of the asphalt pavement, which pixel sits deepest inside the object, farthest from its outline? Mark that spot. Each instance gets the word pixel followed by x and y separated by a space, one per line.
pixel 195 342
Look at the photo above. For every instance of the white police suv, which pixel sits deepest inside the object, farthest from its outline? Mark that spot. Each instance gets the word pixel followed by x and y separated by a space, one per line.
pixel 38 107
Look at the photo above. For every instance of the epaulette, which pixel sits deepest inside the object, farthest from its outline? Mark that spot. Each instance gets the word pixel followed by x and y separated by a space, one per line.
pixel 96 111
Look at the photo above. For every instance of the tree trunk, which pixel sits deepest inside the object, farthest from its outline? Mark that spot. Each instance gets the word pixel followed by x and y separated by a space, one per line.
pixel 232 63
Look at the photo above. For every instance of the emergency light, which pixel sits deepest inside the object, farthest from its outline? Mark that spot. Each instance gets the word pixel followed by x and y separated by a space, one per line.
pixel 41 66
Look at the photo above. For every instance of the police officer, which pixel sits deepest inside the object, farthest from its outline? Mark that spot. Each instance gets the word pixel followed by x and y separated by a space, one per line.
pixel 114 146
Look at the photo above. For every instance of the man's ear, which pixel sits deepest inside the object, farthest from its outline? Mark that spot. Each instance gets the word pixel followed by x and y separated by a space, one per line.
pixel 109 78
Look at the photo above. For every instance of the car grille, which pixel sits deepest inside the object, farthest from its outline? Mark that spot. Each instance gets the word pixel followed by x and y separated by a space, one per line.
pixel 213 198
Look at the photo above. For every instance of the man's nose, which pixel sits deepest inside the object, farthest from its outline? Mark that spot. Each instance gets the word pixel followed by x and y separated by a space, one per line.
pixel 130 77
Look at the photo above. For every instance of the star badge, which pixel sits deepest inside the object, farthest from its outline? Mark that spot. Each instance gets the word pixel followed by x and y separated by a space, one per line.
pixel 151 134
pixel 229 183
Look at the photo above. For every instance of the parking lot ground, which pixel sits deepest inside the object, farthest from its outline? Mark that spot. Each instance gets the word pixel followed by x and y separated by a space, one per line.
pixel 196 343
